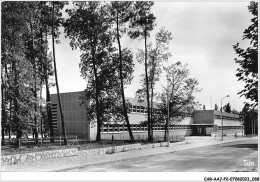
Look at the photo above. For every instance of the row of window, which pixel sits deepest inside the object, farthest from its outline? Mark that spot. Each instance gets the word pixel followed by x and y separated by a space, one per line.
pixel 229 127
pixel 54 117
pixel 136 127
pixel 141 109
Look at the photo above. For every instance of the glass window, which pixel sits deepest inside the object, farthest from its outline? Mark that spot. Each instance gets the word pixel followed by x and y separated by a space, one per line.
pixel 130 109
pixel 134 108
pixel 142 110
pixel 138 109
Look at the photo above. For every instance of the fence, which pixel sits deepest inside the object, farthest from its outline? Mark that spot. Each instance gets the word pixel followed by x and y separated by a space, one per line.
pixel 24 145
pixel 36 142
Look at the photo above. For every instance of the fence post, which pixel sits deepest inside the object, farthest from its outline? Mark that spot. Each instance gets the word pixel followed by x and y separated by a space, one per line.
pixel 19 142
pixel 60 141
pixel 90 142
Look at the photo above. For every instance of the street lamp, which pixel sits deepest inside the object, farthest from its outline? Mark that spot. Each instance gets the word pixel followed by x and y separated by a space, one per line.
pixel 222 116
pixel 168 115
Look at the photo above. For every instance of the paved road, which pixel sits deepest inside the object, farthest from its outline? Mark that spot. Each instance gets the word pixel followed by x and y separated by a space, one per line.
pixel 227 157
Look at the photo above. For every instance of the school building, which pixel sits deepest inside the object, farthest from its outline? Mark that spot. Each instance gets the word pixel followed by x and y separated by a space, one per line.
pixel 199 123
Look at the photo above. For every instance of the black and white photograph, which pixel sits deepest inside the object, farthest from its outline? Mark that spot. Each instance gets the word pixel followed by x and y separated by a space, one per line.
pixel 129 91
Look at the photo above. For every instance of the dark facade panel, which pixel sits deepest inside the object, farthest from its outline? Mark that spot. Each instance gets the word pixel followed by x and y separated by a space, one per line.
pixel 203 117
pixel 74 112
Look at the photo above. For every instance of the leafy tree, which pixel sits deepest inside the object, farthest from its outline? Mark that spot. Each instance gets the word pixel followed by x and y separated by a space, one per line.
pixel 227 108
pixel 248 58
pixel 18 71
pixel 89 28
pixel 120 15
pixel 49 29
pixel 216 107
pixel 110 100
pixel 57 8
pixel 141 24
pixel 156 56
pixel 249 117
pixel 25 64
pixel 180 90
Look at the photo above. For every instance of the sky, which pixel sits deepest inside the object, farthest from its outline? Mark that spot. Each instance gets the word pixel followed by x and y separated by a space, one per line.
pixel 203 37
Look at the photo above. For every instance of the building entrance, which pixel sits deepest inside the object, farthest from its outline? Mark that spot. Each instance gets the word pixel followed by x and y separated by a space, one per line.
pixel 199 130
pixel 202 130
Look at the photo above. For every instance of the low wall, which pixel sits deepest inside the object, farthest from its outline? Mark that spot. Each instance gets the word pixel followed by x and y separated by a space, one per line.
pixel 108 150
pixel 37 156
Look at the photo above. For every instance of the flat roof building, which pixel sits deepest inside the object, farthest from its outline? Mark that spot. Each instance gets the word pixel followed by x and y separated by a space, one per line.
pixel 201 122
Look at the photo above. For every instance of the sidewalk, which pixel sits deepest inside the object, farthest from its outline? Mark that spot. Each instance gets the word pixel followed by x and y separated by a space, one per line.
pixel 61 164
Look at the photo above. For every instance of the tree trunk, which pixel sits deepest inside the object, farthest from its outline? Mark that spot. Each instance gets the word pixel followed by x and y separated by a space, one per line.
pixel 35 132
pixel 152 121
pixel 98 137
pixel 147 87
pixel 122 84
pixel 152 95
pixel 3 119
pixel 7 124
pixel 56 79
pixel 16 107
pixel 48 96
pixel 10 118
pixel 48 109
pixel 41 113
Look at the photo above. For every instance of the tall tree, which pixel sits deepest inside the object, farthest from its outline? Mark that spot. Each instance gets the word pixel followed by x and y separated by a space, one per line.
pixel 32 54
pixel 58 7
pixel 216 107
pixel 17 68
pixel 120 14
pixel 248 58
pixel 157 55
pixel 110 101
pixel 181 89
pixel 46 23
pixel 141 24
pixel 87 27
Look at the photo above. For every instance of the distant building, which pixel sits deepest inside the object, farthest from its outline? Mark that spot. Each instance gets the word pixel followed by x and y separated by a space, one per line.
pixel 201 122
